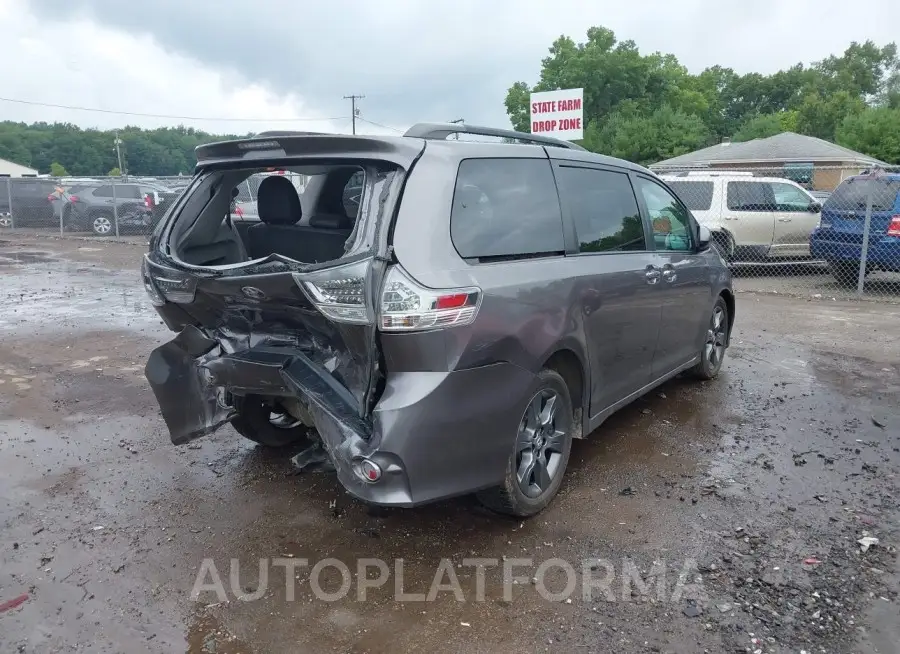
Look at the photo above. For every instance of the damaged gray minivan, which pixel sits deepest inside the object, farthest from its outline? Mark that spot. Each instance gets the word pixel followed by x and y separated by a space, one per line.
pixel 450 330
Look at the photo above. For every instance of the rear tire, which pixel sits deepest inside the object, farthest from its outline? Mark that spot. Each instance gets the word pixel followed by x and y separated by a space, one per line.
pixel 713 352
pixel 261 420
pixel 540 451
pixel 845 274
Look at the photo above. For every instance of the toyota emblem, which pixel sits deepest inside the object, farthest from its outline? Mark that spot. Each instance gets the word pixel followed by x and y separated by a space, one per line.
pixel 253 293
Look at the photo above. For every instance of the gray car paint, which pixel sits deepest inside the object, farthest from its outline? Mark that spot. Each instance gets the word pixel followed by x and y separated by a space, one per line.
pixel 445 420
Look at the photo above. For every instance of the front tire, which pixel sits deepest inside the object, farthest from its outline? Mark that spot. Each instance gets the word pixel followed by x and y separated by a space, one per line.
pixel 724 244
pixel 264 421
pixel 540 453
pixel 713 353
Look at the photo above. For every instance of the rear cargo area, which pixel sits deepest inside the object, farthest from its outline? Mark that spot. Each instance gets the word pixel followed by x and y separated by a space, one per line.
pixel 272 297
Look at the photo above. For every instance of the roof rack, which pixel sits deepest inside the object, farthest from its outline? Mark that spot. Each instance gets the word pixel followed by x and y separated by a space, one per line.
pixel 440 131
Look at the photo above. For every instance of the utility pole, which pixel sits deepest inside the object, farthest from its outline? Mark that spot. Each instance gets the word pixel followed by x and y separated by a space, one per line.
pixel 458 121
pixel 353 109
pixel 119 152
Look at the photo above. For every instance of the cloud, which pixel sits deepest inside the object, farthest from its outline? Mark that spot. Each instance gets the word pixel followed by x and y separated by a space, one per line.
pixel 413 60
pixel 79 62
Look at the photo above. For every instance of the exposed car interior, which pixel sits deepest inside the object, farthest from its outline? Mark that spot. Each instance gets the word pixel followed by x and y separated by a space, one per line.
pixel 305 213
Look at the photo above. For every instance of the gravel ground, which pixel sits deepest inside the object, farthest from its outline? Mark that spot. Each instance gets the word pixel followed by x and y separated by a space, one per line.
pixel 721 517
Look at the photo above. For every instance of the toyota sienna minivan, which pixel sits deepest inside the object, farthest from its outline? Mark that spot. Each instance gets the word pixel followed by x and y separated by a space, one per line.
pixel 476 307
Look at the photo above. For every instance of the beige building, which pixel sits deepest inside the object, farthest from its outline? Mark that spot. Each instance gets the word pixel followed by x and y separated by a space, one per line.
pixel 12 169
pixel 812 162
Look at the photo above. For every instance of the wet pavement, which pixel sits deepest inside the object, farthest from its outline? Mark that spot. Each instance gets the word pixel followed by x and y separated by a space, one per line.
pixel 753 489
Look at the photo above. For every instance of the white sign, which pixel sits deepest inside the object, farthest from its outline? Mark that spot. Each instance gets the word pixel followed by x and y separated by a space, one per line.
pixel 558 113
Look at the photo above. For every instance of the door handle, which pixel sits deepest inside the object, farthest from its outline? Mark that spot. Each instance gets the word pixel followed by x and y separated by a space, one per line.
pixel 669 275
pixel 652 274
pixel 784 220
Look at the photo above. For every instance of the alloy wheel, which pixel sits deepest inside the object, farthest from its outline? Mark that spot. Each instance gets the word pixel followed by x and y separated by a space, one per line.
pixel 715 339
pixel 539 444
pixel 102 225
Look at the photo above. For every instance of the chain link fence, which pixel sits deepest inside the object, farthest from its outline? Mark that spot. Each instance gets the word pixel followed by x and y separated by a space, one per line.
pixel 801 230
pixel 806 231
pixel 105 207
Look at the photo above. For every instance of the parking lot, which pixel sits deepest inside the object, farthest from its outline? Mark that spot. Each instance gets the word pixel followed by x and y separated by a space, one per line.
pixel 757 487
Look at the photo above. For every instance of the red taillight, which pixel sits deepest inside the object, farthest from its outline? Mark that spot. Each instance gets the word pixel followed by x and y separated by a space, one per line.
pixel 238 212
pixel 894 228
pixel 73 198
pixel 51 198
pixel 454 301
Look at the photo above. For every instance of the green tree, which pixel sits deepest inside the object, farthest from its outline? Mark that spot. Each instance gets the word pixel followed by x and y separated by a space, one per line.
pixel 765 125
pixel 645 139
pixel 628 95
pixel 114 172
pixel 820 115
pixel 875 131
pixel 58 170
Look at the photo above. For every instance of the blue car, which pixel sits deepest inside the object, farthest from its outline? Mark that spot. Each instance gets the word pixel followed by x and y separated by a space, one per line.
pixel 839 237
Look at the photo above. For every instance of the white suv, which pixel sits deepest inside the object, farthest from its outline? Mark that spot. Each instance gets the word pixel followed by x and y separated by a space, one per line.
pixel 751 218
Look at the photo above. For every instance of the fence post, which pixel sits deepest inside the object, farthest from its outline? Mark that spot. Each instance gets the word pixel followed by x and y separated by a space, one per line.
pixel 12 219
pixel 115 207
pixel 861 282
pixel 62 206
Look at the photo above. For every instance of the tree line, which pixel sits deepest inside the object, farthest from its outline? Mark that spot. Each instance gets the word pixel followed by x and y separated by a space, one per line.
pixel 648 107
pixel 640 107
pixel 66 149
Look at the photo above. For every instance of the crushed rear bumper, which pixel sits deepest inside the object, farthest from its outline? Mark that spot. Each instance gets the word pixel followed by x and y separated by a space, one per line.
pixel 433 434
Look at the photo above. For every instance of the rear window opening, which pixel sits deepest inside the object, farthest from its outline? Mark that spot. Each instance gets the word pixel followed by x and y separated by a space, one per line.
pixel 308 213
pixel 853 194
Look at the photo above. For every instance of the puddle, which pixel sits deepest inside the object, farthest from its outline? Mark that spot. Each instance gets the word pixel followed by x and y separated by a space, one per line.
pixel 25 258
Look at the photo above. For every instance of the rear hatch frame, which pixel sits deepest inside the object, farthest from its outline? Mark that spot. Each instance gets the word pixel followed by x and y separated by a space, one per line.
pixel 261 326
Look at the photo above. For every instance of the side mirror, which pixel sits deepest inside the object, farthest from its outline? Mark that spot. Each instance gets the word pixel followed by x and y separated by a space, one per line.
pixel 704 239
pixel 814 207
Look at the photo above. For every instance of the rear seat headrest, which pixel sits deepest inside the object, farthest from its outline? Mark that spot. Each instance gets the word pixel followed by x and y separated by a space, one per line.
pixel 277 202
pixel 331 221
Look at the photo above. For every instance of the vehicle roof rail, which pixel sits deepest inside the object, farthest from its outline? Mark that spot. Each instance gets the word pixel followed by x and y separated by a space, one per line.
pixel 440 131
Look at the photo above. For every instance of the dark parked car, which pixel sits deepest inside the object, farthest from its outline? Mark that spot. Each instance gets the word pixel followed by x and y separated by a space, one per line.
pixel 486 304
pixel 31 202
pixel 138 207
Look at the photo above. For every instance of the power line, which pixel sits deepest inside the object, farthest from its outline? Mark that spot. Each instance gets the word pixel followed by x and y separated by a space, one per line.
pixel 354 112
pixel 170 116
pixel 372 122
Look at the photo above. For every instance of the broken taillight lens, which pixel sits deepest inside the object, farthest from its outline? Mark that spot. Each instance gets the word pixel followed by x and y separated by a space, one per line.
pixel 339 293
pixel 156 299
pixel 165 284
pixel 407 306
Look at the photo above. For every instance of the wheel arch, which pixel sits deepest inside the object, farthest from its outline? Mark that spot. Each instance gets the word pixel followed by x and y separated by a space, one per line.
pixel 728 296
pixel 569 362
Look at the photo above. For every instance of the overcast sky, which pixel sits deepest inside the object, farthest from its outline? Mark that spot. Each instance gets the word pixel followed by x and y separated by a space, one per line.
pixel 264 61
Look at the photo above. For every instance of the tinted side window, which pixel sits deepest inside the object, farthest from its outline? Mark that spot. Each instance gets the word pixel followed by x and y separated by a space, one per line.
pixel 505 207
pixel 604 209
pixel 104 192
pixel 750 196
pixel 697 196
pixel 129 191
